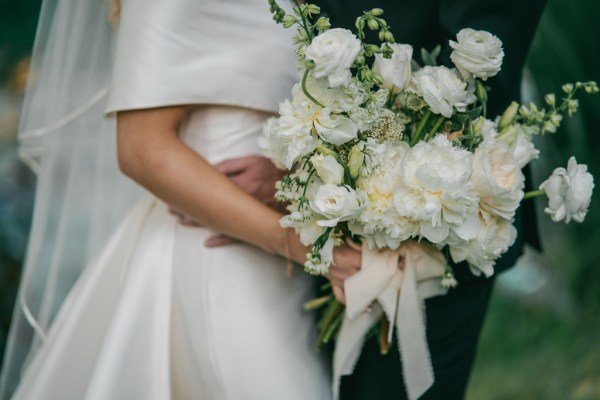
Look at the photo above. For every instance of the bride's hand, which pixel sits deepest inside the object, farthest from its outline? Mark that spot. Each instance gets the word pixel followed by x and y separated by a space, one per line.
pixel 346 262
pixel 255 175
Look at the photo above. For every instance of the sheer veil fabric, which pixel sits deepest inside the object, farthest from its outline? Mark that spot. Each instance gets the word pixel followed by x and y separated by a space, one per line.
pixel 66 138
pixel 67 141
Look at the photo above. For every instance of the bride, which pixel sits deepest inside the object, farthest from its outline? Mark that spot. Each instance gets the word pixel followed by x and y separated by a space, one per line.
pixel 156 314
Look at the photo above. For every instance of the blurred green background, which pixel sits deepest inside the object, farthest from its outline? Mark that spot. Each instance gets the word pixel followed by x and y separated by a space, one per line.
pixel 541 339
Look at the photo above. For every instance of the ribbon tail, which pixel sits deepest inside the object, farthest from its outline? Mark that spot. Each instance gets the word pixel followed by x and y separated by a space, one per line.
pixel 349 344
pixel 412 338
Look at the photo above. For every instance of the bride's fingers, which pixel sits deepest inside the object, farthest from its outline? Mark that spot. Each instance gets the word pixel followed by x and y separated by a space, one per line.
pixel 338 292
pixel 220 241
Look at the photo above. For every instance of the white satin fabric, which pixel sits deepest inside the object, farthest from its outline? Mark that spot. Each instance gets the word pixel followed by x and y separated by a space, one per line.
pixel 159 316
pixel 173 52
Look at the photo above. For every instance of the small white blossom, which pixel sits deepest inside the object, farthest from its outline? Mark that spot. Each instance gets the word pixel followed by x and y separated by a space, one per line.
pixel 569 192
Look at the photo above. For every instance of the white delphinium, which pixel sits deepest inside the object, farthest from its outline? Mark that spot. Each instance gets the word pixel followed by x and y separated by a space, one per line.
pixel 333 53
pixel 396 71
pixel 435 190
pixel 318 264
pixel 497 178
pixel 477 53
pixel 494 238
pixel 443 90
pixel 336 204
pixel 569 192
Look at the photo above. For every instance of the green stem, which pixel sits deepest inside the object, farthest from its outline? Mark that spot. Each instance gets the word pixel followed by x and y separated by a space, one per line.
pixel 533 193
pixel 306 91
pixel 417 134
pixel 435 127
pixel 304 21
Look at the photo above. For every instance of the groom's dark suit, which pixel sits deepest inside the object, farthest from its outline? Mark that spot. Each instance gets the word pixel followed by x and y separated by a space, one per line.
pixel 453 321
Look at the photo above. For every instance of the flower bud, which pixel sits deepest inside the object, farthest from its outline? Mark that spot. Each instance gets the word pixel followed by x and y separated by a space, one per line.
pixel 481 92
pixel 478 126
pixel 509 115
pixel 550 99
pixel 323 24
pixel 309 64
pixel 355 161
pixel 567 88
pixel 373 25
pixel 289 20
pixel 376 12
pixel 388 37
pixel 326 151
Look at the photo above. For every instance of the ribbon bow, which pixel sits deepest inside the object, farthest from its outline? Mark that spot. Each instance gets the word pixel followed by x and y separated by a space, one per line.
pixel 393 282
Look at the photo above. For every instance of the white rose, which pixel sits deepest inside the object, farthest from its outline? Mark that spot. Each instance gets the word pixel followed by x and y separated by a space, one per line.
pixel 497 179
pixel 477 53
pixel 396 70
pixel 328 169
pixel 335 129
pixel 435 190
pixel 443 90
pixel 569 192
pixel 495 237
pixel 333 52
pixel 336 204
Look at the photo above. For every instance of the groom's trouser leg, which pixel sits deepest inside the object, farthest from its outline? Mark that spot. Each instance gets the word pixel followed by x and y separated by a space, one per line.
pixel 454 322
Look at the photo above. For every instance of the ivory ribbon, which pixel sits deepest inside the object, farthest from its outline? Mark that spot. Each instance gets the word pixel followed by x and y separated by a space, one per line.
pixel 394 283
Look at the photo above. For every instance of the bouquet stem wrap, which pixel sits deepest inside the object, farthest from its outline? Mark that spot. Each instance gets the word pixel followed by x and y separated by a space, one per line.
pixel 394 283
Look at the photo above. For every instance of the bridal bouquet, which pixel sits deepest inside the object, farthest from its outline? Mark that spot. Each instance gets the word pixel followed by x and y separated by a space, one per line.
pixel 404 159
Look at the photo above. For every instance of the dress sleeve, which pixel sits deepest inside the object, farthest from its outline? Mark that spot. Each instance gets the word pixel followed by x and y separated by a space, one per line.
pixel 173 52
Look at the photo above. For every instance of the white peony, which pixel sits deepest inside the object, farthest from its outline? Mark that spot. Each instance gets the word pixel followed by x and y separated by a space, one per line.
pixel 336 204
pixel 494 238
pixel 497 179
pixel 569 192
pixel 435 190
pixel 333 52
pixel 328 169
pixel 477 53
pixel 443 90
pixel 396 70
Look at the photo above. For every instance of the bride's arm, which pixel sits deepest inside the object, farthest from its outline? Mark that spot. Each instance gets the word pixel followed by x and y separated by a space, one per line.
pixel 151 153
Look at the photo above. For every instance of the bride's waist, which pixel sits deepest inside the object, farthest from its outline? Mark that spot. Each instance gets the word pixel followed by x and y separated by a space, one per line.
pixel 223 132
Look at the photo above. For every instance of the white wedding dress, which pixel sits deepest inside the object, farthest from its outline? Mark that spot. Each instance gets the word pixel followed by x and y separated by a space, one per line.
pixel 157 315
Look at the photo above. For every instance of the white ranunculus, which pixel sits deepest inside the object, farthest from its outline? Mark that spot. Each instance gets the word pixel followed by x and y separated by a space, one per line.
pixel 333 52
pixel 477 53
pixel 494 238
pixel 328 169
pixel 435 190
pixel 443 90
pixel 569 192
pixel 497 179
pixel 335 129
pixel 396 70
pixel 336 204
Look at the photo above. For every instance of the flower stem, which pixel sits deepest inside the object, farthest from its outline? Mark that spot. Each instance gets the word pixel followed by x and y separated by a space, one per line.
pixel 533 193
pixel 310 97
pixel 435 127
pixel 417 134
